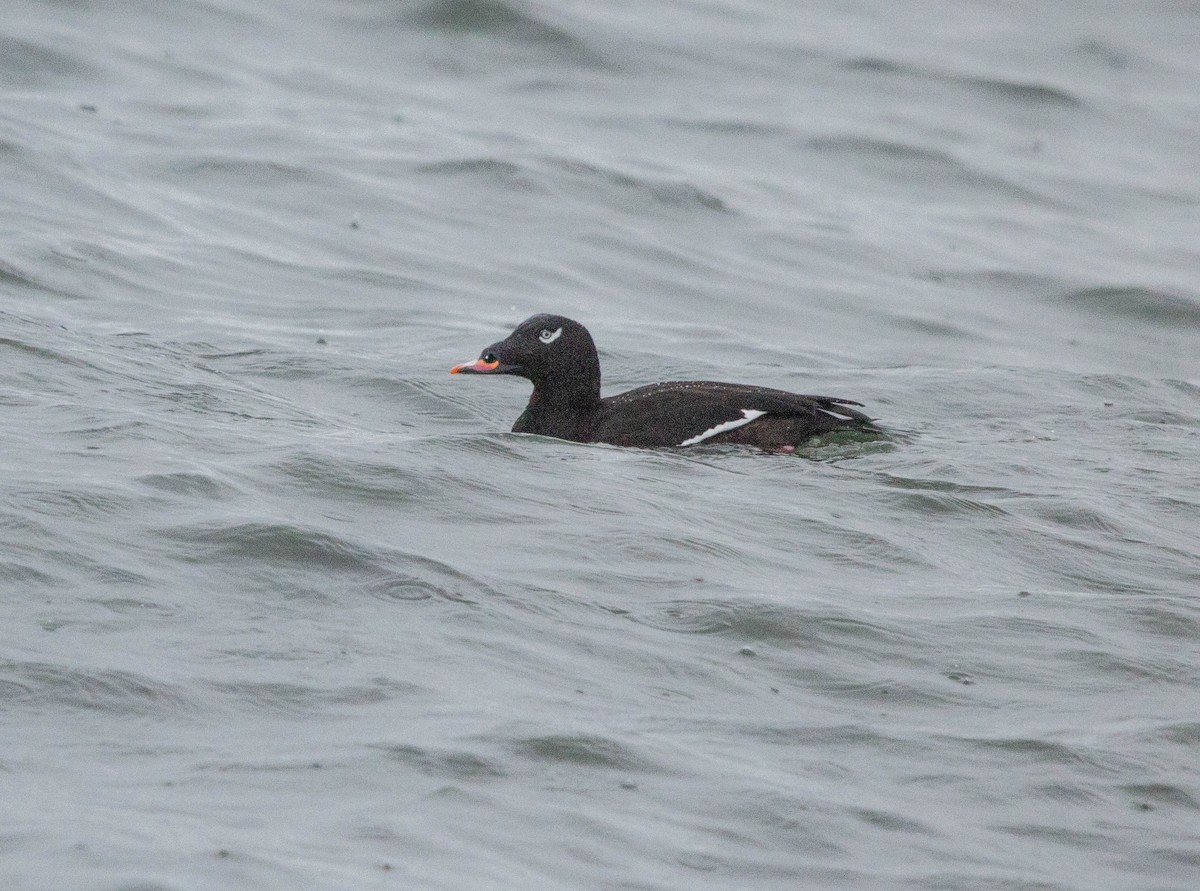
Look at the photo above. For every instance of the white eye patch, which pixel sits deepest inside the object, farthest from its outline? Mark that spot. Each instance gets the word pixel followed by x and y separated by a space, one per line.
pixel 548 336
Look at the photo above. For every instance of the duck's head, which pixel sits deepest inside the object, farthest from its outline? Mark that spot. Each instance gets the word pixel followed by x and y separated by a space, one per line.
pixel 554 352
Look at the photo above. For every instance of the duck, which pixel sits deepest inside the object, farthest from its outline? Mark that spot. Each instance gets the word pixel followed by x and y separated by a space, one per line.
pixel 558 356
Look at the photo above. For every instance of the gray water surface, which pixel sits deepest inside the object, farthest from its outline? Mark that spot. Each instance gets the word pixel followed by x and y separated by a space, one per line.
pixel 284 605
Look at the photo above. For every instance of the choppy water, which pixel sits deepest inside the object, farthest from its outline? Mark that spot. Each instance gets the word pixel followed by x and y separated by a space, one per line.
pixel 284 606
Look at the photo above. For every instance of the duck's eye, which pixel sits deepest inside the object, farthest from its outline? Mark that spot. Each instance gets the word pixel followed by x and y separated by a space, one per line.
pixel 489 358
pixel 548 336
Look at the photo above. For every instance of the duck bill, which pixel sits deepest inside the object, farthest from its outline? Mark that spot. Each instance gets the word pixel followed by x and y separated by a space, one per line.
pixel 476 367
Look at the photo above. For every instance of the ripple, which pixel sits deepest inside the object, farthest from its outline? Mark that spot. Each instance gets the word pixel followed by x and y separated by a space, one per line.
pixel 1025 749
pixel 77 503
pixel 901 162
pixel 1106 53
pixel 1074 516
pixel 876 65
pixel 132 606
pixel 1184 734
pixel 1162 795
pixel 1188 858
pixel 305 700
pixel 688 617
pixel 1143 304
pixel 888 693
pixel 582 750
pixel 1143 669
pixel 29 64
pixel 491 171
pixel 811 630
pixel 189 483
pixel 627 187
pixel 736 126
pixel 939 328
pixel 1168 619
pixel 41 352
pixel 1068 793
pixel 1024 93
pixel 12 275
pixel 383 573
pixel 512 23
pixel 891 821
pixel 425 577
pixel 360 480
pixel 509 21
pixel 114 692
pixel 1019 92
pixel 408 588
pixel 249 170
pixel 839 736
pixel 278 544
pixel 24 574
pixel 1076 838
pixel 943 503
pixel 452 764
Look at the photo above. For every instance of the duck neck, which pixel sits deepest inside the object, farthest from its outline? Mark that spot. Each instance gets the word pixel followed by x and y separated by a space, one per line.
pixel 557 398
pixel 562 406
pixel 574 387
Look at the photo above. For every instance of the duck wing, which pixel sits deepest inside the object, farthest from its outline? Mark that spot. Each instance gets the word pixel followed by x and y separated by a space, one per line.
pixel 684 413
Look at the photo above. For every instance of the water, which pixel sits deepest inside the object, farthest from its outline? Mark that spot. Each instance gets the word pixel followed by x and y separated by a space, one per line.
pixel 285 606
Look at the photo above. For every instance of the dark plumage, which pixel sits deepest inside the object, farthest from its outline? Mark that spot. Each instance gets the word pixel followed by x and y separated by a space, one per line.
pixel 559 357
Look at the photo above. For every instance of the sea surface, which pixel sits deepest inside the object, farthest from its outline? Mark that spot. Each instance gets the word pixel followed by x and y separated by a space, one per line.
pixel 283 605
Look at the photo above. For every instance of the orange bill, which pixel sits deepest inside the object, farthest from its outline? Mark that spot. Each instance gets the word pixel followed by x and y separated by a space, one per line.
pixel 476 367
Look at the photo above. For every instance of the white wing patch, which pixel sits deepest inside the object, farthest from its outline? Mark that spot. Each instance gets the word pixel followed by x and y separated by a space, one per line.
pixel 834 414
pixel 748 415
pixel 548 336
